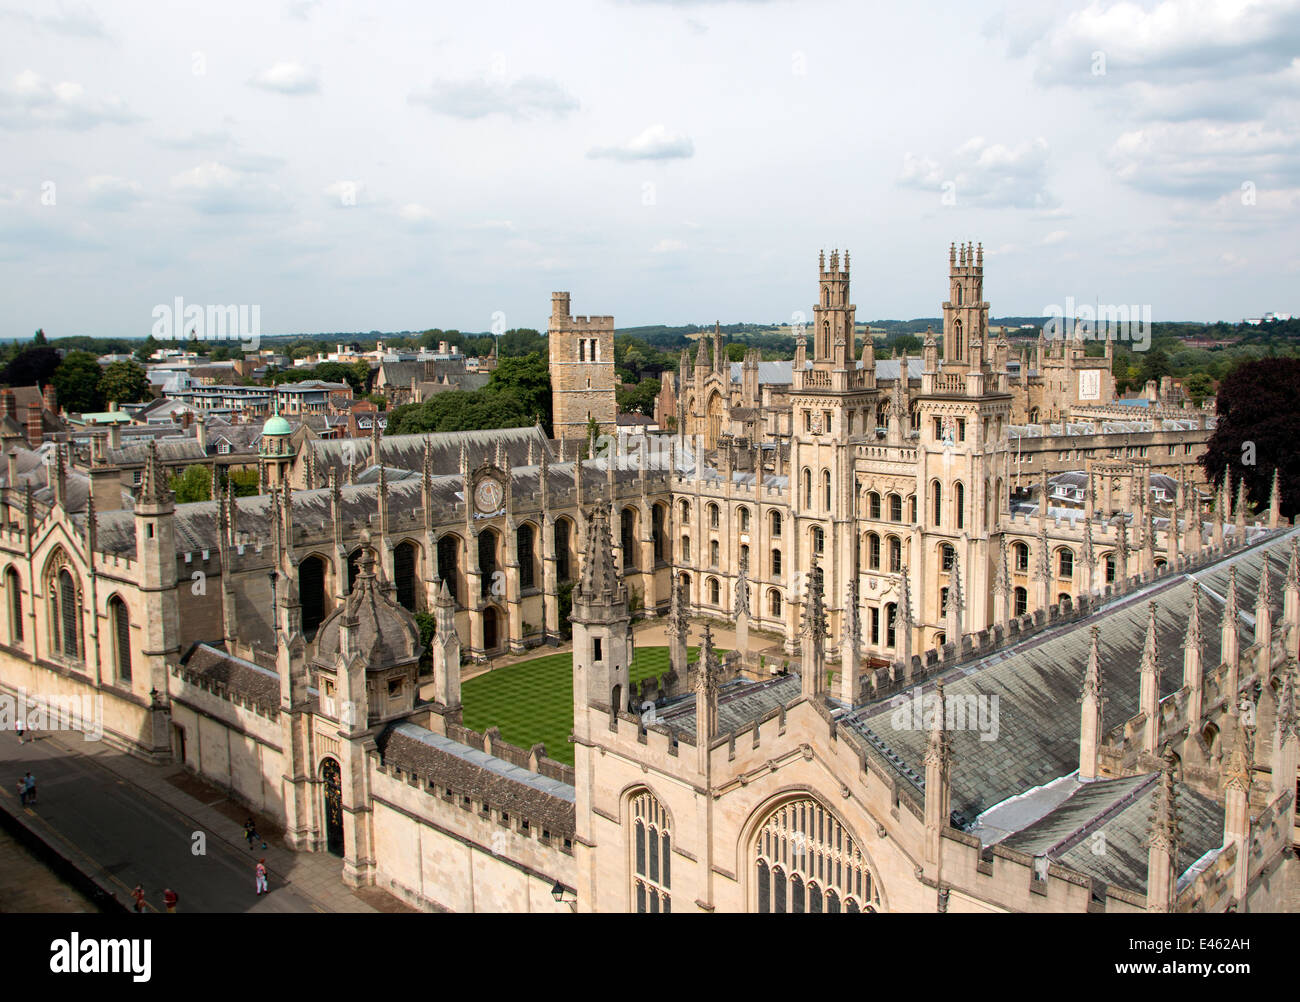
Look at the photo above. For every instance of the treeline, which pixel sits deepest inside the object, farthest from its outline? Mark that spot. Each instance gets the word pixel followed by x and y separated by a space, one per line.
pixel 518 394
pixel 80 382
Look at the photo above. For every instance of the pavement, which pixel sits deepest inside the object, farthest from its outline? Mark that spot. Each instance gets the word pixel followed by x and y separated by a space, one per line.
pixel 121 822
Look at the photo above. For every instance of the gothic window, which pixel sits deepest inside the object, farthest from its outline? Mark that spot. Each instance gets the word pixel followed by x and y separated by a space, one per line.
pixel 715 591
pixel 1021 602
pixel 404 574
pixel 744 556
pixel 895 508
pixel 802 858
pixel 713 553
pixel 961 505
pixel 562 566
pixel 685 509
pixel 873 551
pixel 121 632
pixel 895 554
pixel 943 601
pixel 807 488
pixel 1110 569
pixel 938 502
pixel 744 519
pixel 311 593
pixel 873 505
pixel 65 614
pixel 1022 558
pixel 776 563
pixel 524 552
pixel 947 555
pixel 713 516
pixel 657 532
pixel 487 561
pixel 911 506
pixel 582 349
pixel 891 623
pixel 686 549
pixel 826 489
pixel 651 855
pixel 449 564
pixel 774 601
pixel 776 524
pixel 1066 564
pixel 818 539
pixel 627 537
pixel 14 589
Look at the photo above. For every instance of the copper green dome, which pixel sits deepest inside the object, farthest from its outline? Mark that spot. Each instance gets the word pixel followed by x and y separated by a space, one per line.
pixel 276 425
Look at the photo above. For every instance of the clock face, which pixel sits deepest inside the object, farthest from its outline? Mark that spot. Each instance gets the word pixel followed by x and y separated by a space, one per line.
pixel 488 496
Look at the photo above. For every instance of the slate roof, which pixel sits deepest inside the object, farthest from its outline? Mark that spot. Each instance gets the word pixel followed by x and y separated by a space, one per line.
pixel 258 685
pixel 1037 683
pixel 740 703
pixel 544 802
pixel 407 451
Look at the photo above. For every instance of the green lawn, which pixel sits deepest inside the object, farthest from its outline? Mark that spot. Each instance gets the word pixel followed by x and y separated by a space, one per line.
pixel 533 700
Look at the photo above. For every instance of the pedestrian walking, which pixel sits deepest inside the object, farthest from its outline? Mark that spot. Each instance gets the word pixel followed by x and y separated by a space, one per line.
pixel 261 877
pixel 22 792
pixel 29 781
pixel 21 731
pixel 138 896
pixel 170 898
pixel 250 833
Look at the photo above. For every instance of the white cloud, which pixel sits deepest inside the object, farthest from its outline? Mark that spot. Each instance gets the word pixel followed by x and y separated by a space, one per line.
pixel 346 194
pixel 985 174
pixel 654 143
pixel 668 247
pixel 1206 159
pixel 524 98
pixel 113 193
pixel 1055 237
pixel 33 102
pixel 288 78
pixel 216 189
pixel 416 216
pixel 74 20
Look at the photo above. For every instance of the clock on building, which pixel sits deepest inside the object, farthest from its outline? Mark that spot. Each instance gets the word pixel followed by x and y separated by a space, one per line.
pixel 488 496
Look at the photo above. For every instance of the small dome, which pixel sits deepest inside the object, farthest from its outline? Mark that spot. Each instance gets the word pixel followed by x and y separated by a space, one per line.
pixel 384 631
pixel 276 425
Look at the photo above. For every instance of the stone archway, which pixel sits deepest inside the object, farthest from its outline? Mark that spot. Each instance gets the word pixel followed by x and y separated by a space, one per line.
pixel 332 796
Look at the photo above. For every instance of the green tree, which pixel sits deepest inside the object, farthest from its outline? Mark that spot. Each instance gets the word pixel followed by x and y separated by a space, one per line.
pixel 639 398
pixel 195 484
pixel 245 482
pixel 32 367
pixel 528 381
pixel 148 348
pixel 124 382
pixel 76 381
pixel 40 337
pixel 1198 386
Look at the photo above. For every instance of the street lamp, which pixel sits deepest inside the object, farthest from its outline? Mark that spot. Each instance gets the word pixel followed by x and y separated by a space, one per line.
pixel 559 891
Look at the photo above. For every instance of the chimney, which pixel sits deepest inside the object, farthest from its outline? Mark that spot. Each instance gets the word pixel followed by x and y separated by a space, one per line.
pixel 35 432
pixel 51 399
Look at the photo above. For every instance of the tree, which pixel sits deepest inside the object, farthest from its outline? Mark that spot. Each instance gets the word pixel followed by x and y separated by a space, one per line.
pixel 76 381
pixel 459 410
pixel 40 336
pixel 1154 366
pixel 639 398
pixel 1258 426
pixel 245 482
pixel 125 383
pixel 32 367
pixel 1198 386
pixel 148 348
pixel 195 484
pixel 528 381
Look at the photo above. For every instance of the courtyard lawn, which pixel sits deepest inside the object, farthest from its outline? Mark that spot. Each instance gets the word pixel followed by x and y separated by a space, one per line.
pixel 533 700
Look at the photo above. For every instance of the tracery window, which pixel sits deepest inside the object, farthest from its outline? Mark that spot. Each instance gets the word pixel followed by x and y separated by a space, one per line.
pixel 803 860
pixel 651 855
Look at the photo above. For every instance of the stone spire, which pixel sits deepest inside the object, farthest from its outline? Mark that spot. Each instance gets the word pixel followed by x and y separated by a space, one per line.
pixel 1193 663
pixel 740 608
pixel 600 582
pixel 1229 639
pixel 1001 584
pixel 903 622
pixel 1291 601
pixel 705 686
pixel 814 637
pixel 446 650
pixel 1286 737
pixel 1121 556
pixel 938 776
pixel 1238 773
pixel 1164 835
pixel 1274 503
pixel 1239 516
pixel 153 481
pixel 850 643
pixel 678 628
pixel 1149 698
pixel 953 612
pixel 1264 616
pixel 1090 723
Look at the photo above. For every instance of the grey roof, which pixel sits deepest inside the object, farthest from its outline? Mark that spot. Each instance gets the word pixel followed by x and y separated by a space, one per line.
pixel 1037 684
pixel 470 771
pixel 740 703
pixel 260 686
pixel 170 450
pixel 407 451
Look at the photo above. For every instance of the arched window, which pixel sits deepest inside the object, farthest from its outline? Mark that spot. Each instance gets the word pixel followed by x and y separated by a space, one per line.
pixel 947 555
pixel 487 561
pixel 65 615
pixel 311 593
pixel 1110 570
pixel 1022 602
pixel 774 601
pixel 713 553
pixel 895 508
pixel 120 624
pixel 826 490
pixel 873 551
pixel 744 556
pixel 15 593
pixel 891 618
pixel 911 507
pixel 807 488
pixel 937 489
pixel 685 512
pixel 1066 564
pixel 715 591
pixel 818 539
pixel 524 553
pixel 1021 552
pixel 776 524
pixel 627 537
pixel 686 549
pixel 776 563
pixel 873 505
pixel 404 559
pixel 449 562
pixel 744 519
pixel 651 855
pixel 961 505
pixel 895 554
pixel 657 532
pixel 802 857
pixel 713 516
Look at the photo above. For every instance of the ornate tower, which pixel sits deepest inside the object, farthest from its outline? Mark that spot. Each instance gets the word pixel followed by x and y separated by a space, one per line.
pixel 833 338
pixel 275 452
pixel 965 314
pixel 582 370
pixel 155 547
pixel 602 627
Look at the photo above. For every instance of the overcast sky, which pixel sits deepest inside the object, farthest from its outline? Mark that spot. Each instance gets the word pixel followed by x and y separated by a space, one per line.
pixel 398 166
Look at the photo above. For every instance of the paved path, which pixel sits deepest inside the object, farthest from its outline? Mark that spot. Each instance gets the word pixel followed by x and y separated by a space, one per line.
pixel 124 822
pixel 27 885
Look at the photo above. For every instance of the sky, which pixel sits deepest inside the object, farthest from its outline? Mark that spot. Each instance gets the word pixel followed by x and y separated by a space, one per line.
pixel 401 166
